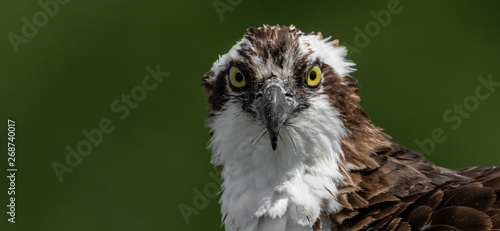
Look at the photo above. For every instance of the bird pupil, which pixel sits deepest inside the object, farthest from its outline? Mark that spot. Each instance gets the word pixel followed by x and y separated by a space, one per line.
pixel 239 77
pixel 312 75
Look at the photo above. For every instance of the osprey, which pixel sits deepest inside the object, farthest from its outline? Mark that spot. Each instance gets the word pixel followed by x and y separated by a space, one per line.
pixel 297 152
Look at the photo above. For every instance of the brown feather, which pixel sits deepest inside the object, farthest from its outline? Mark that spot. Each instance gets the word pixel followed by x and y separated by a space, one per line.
pixel 472 195
pixel 434 200
pixel 356 200
pixel 420 216
pixel 386 197
pixel 362 224
pixel 442 228
pixel 403 226
pixel 463 218
pixel 317 225
pixel 394 224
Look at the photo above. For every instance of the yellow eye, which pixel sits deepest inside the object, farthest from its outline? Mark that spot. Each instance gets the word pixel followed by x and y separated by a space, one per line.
pixel 314 76
pixel 236 77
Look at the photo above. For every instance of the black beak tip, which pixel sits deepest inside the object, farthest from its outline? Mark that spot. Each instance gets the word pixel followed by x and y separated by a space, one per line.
pixel 273 145
pixel 274 138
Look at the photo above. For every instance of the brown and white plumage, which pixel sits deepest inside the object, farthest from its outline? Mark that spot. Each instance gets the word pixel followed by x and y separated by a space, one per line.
pixel 298 153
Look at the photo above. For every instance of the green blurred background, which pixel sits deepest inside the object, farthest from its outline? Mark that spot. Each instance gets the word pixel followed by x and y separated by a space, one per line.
pixel 425 60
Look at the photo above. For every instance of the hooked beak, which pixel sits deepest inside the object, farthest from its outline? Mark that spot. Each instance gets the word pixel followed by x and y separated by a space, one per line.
pixel 274 110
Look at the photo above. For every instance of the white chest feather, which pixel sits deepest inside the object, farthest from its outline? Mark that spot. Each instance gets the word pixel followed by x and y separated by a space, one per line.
pixel 286 189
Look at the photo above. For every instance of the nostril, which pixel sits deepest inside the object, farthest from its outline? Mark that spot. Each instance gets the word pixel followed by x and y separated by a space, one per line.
pixel 259 95
pixel 289 94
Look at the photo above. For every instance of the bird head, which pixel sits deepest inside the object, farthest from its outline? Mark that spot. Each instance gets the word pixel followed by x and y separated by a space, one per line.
pixel 281 83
